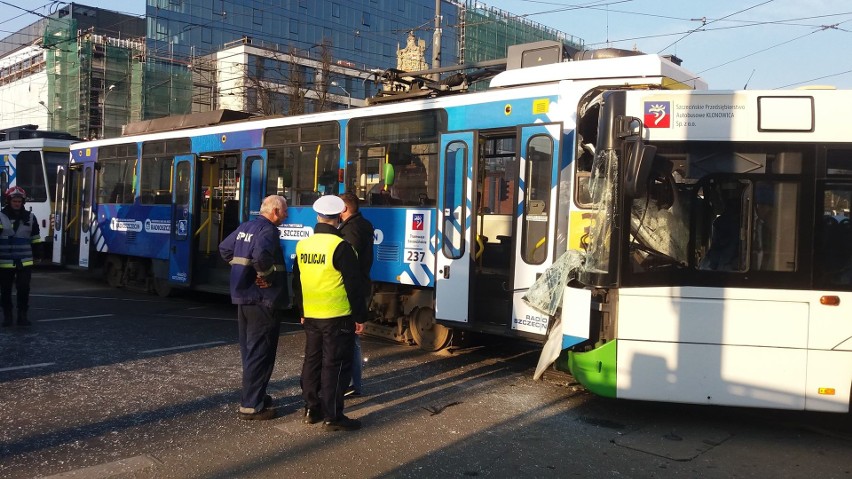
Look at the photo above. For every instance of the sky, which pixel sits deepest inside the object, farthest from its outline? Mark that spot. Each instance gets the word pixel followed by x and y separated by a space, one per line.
pixel 732 44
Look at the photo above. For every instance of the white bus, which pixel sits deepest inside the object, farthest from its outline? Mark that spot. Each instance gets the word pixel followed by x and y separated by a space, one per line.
pixel 720 260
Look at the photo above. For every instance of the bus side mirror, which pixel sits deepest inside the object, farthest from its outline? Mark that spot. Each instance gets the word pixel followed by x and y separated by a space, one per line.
pixel 388 175
pixel 639 159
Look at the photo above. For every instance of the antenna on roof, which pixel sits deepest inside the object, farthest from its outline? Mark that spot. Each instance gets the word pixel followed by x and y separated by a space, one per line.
pixel 745 87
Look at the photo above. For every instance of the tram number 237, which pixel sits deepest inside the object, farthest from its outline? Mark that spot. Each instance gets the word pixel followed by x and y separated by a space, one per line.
pixel 414 256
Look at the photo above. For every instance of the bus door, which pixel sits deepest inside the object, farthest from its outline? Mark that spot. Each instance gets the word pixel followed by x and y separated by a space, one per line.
pixel 60 209
pixel 452 280
pixel 182 226
pixel 252 186
pixel 536 220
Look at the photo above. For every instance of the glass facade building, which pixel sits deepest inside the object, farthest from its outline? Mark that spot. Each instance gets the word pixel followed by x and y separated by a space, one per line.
pixel 364 32
pixel 96 70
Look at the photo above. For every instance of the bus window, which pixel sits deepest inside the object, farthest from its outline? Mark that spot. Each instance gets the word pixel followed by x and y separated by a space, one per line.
pixel 537 212
pixel 834 238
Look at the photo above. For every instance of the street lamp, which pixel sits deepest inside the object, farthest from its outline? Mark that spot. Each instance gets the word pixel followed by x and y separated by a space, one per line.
pixel 50 113
pixel 103 111
pixel 348 95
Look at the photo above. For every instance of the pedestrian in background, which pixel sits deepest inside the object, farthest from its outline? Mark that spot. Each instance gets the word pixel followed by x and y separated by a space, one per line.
pixel 328 298
pixel 20 243
pixel 358 232
pixel 258 288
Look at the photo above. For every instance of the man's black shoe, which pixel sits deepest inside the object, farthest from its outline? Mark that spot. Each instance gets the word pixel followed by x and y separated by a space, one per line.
pixel 352 393
pixel 342 424
pixel 262 415
pixel 312 416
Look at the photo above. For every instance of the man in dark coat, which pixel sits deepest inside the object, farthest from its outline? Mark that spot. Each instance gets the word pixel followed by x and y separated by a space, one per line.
pixel 258 288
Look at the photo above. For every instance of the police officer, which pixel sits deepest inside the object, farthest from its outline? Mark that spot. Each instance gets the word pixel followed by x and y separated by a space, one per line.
pixel 258 288
pixel 328 297
pixel 358 231
pixel 19 241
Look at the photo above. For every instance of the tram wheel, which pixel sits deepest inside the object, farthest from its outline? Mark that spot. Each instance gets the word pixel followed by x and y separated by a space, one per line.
pixel 162 288
pixel 429 335
pixel 113 271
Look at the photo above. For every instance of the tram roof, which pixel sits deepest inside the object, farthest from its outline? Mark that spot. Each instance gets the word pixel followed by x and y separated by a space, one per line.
pixel 654 67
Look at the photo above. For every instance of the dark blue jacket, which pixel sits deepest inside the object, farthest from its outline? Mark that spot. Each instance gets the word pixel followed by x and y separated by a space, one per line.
pixel 253 250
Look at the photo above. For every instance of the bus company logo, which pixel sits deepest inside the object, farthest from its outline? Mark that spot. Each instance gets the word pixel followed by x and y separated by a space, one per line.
pixel 658 114
pixel 157 226
pixel 119 224
pixel 417 221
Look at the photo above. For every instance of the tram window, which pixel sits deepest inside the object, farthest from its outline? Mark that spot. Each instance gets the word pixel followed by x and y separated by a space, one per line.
pixel 303 161
pixel 155 180
pixel 455 211
pixel 115 180
pixel 182 183
pixel 29 175
pixel 539 161
pixel 52 160
pixel 408 144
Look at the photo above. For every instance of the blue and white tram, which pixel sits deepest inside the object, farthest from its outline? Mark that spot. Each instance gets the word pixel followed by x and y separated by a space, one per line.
pixel 472 195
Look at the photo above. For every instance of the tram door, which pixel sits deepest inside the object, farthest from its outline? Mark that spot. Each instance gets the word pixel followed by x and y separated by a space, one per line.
pixel 535 225
pixel 252 187
pixel 495 206
pixel 74 219
pixel 60 209
pixel 183 226
pixel 452 278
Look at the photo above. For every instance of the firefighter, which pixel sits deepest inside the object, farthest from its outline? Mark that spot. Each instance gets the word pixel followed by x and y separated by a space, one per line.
pixel 20 242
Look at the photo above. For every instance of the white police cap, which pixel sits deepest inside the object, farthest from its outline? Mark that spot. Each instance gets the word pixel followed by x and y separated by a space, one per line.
pixel 329 206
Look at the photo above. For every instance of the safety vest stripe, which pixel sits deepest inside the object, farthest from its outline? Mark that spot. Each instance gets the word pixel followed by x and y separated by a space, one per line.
pixel 247 262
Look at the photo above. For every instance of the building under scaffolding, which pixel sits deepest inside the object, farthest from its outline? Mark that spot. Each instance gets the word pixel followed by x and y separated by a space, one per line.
pixel 89 71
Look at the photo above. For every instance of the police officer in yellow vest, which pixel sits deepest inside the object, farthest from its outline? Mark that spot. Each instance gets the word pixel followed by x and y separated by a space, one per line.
pixel 18 238
pixel 327 291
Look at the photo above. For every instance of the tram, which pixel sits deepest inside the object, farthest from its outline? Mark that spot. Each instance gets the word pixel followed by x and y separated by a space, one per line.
pixel 473 195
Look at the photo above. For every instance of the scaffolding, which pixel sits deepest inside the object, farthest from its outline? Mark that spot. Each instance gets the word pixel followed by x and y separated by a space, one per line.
pixel 487 32
pixel 97 84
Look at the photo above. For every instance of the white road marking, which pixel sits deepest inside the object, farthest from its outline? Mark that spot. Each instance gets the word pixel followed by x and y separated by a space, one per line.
pixel 196 317
pixel 29 366
pixel 74 317
pixel 110 469
pixel 175 348
pixel 75 296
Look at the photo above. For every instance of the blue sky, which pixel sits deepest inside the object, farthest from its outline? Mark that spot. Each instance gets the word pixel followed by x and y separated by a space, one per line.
pixel 778 43
pixel 765 43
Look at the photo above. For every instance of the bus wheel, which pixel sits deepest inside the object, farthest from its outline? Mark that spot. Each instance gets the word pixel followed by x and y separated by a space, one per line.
pixel 113 271
pixel 429 335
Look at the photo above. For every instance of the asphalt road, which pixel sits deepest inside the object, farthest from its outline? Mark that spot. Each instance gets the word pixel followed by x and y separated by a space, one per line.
pixel 115 383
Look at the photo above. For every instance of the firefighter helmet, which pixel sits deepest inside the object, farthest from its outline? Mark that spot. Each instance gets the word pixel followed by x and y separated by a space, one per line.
pixel 16 191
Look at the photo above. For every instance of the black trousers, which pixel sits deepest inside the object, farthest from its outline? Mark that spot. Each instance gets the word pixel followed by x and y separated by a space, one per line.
pixel 20 278
pixel 328 364
pixel 259 330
